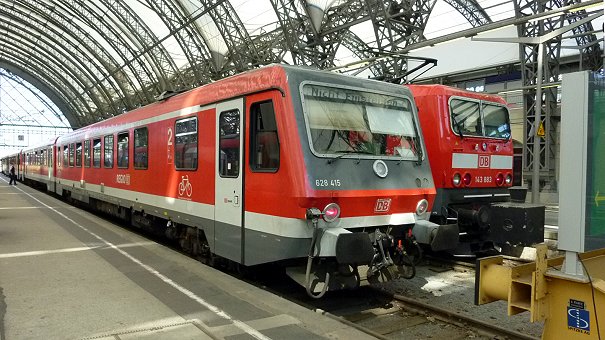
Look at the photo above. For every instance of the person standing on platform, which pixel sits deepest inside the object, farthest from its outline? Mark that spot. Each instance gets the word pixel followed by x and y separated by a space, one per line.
pixel 13 177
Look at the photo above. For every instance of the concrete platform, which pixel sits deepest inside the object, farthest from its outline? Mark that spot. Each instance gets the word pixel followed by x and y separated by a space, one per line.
pixel 68 274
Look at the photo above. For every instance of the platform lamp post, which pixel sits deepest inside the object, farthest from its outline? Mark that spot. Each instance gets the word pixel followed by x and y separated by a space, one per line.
pixel 535 179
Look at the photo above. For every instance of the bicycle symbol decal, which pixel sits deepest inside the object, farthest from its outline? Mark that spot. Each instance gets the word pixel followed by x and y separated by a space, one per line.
pixel 185 186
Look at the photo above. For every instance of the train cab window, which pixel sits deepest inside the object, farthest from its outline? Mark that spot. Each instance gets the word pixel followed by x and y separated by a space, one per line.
pixel 79 154
pixel 496 122
pixel 140 148
pixel 65 155
pixel 264 144
pixel 108 151
pixel 123 150
pixel 96 152
pixel 229 144
pixel 185 148
pixel 361 124
pixel 87 153
pixel 466 117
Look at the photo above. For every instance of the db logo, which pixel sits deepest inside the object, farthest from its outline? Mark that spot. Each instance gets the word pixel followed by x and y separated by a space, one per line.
pixel 484 161
pixel 382 205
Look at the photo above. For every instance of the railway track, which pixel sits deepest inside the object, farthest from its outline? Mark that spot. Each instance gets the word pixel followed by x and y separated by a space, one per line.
pixel 387 316
pixel 386 312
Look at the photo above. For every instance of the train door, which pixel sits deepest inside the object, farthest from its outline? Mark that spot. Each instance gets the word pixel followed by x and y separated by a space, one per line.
pixel 228 228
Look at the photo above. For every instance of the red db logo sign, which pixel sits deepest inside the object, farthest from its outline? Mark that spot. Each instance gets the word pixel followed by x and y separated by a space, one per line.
pixel 382 205
pixel 484 161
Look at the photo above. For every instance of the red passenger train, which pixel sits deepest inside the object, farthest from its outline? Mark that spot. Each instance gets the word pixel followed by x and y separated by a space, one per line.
pixel 470 149
pixel 317 171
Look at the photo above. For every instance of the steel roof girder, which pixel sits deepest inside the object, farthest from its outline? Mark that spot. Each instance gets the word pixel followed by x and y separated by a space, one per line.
pixel 105 60
pixel 60 64
pixel 55 39
pixel 117 42
pixel 168 70
pixel 59 85
pixel 471 10
pixel 192 45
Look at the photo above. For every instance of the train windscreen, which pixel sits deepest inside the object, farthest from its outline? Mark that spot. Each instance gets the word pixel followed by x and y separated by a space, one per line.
pixel 479 119
pixel 346 122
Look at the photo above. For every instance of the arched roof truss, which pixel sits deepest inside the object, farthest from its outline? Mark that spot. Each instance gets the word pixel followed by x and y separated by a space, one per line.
pixel 101 58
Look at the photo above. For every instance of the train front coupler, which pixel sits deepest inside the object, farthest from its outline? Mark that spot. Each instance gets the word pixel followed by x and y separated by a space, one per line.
pixel 334 254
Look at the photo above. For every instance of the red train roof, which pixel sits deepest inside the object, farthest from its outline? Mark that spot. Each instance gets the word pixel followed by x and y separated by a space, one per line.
pixel 436 89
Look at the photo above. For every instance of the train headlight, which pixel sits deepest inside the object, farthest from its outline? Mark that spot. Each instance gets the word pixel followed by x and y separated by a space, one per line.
pixel 331 212
pixel 509 179
pixel 422 206
pixel 456 180
pixel 499 180
pixel 466 179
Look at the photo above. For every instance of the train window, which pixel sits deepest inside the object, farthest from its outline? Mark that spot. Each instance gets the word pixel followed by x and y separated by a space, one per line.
pixel 72 149
pixel 108 151
pixel 49 159
pixel 123 150
pixel 65 155
pixel 42 160
pixel 495 119
pixel 79 154
pixel 466 117
pixel 185 150
pixel 229 144
pixel 87 153
pixel 264 150
pixel 140 148
pixel 96 152
pixel 350 123
pixel 58 156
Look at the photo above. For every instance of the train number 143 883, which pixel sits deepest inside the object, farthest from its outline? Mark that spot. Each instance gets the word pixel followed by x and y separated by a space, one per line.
pixel 483 179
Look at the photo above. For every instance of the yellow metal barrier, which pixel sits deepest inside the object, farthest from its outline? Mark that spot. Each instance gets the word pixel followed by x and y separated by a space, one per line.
pixel 571 307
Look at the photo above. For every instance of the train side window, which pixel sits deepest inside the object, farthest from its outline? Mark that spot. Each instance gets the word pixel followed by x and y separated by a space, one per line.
pixel 96 152
pixel 140 148
pixel 229 144
pixel 58 157
pixel 79 154
pixel 65 155
pixel 87 153
pixel 185 150
pixel 108 151
pixel 49 159
pixel 72 149
pixel 123 150
pixel 264 143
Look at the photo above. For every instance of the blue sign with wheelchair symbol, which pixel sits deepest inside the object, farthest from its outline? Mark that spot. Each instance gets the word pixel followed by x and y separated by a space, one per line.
pixel 578 318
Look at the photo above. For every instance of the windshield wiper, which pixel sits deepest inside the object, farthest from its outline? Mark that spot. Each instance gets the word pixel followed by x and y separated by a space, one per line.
pixel 458 126
pixel 348 152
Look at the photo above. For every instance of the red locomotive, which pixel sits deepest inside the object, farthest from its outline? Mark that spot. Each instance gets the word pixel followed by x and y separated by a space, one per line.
pixel 317 171
pixel 470 149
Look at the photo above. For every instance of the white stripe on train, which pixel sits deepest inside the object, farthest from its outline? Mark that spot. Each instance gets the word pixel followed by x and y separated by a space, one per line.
pixel 275 225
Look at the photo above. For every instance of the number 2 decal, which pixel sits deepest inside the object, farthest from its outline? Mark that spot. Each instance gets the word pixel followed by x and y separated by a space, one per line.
pixel 169 147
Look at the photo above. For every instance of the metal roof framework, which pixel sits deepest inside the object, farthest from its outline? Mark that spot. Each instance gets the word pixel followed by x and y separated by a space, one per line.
pixel 102 58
